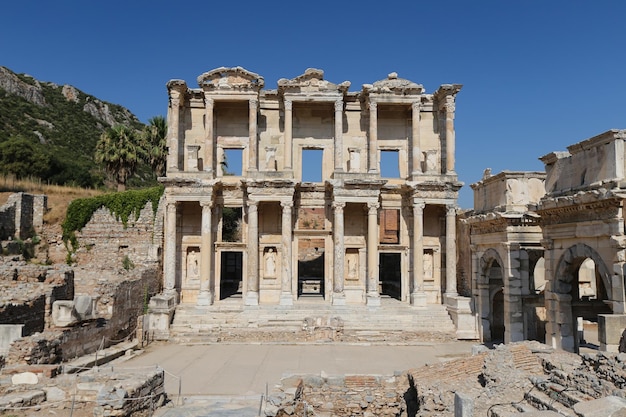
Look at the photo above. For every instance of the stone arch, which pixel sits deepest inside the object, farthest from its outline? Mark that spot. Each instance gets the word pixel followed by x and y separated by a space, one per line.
pixel 566 277
pixel 567 269
pixel 490 283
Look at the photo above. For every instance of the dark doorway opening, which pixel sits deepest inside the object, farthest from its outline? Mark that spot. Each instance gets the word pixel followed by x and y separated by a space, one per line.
pixel 311 268
pixel 390 276
pixel 231 277
pixel 497 315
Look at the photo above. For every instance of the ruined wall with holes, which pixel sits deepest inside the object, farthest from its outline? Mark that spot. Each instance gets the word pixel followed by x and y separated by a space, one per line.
pixel 22 216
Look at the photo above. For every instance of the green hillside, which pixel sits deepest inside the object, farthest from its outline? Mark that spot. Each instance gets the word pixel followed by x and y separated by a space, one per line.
pixel 48 131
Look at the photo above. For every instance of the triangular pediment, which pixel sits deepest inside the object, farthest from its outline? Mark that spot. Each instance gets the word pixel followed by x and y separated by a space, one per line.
pixel 394 85
pixel 235 78
pixel 312 81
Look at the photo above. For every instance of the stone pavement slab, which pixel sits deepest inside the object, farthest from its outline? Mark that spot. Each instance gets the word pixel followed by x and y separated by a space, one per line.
pixel 244 369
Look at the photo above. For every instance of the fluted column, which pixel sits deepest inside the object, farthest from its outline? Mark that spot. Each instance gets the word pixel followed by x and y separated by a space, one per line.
pixel 169 248
pixel 451 251
pixel 373 138
pixel 418 296
pixel 252 133
pixel 252 292
pixel 339 135
pixel 205 297
pixel 207 159
pixel 173 127
pixel 286 296
pixel 450 135
pixel 339 297
pixel 416 139
pixel 288 134
pixel 373 297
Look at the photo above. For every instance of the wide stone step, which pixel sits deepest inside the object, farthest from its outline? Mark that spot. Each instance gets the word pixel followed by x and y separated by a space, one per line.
pixel 544 401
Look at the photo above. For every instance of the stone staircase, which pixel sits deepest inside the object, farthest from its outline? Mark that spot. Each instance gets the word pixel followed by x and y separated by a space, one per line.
pixel 310 320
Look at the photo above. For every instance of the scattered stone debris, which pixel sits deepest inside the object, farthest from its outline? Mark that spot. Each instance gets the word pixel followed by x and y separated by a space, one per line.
pixel 506 381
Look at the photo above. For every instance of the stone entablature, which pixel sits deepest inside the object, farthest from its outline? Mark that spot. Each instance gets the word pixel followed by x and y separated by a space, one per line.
pixel 270 235
pixel 508 191
pixel 594 163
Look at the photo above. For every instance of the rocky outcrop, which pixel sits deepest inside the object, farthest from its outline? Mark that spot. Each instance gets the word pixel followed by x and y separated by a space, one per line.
pixel 12 84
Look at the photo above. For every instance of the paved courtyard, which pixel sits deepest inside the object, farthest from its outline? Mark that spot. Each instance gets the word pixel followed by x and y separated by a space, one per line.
pixel 244 369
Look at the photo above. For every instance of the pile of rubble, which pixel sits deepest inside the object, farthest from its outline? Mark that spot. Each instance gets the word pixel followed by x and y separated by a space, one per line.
pixel 506 381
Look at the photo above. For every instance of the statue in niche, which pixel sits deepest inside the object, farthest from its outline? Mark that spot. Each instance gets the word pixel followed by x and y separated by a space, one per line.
pixel 351 266
pixel 355 160
pixel 270 263
pixel 428 266
pixel 270 158
pixel 193 270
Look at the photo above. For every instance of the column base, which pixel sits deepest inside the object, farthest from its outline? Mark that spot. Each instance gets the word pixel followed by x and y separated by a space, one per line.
pixel 339 299
pixel 252 298
pixel 418 299
pixel 373 300
pixel 286 299
pixel 205 299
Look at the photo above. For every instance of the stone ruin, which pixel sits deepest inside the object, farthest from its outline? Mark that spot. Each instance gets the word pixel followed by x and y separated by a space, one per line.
pixel 517 379
pixel 55 315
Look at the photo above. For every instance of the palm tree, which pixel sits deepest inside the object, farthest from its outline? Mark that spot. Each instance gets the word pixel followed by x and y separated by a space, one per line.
pixel 155 144
pixel 120 151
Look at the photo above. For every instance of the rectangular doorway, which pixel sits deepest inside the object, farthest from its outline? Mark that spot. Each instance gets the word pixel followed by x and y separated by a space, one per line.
pixel 311 268
pixel 390 275
pixel 231 276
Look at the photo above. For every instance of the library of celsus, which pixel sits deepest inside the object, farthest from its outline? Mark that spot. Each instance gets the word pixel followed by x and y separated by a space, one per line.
pixel 310 190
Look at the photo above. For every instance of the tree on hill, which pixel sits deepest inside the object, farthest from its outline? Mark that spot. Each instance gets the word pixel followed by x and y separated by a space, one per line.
pixel 119 150
pixel 23 158
pixel 155 144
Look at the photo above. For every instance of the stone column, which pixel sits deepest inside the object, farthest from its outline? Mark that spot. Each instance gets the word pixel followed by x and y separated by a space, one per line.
pixel 416 140
pixel 252 292
pixel 512 291
pixel 288 134
pixel 373 138
pixel 418 296
pixel 252 133
pixel 450 135
pixel 286 297
pixel 173 125
pixel 339 297
pixel 205 297
pixel 207 160
pixel 169 248
pixel 451 251
pixel 373 297
pixel 339 136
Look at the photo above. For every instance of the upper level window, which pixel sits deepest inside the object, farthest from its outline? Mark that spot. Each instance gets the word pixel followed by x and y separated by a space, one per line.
pixel 312 165
pixel 389 164
pixel 231 163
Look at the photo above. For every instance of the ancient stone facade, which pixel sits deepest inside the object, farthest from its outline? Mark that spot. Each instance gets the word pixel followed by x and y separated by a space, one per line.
pixel 507 257
pixel 271 232
pixel 22 216
pixel 584 238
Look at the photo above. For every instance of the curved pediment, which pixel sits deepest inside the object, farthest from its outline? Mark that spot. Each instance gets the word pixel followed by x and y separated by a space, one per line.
pixel 236 78
pixel 394 85
pixel 312 81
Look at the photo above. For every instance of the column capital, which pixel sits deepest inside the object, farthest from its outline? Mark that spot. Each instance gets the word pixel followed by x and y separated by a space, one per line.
pixel 339 205
pixel 451 210
pixel 252 204
pixel 449 105
pixel 288 104
pixel 419 205
pixel 339 105
pixel 208 204
pixel 208 101
pixel 373 106
pixel 253 102
pixel 416 106
pixel 286 205
pixel 373 206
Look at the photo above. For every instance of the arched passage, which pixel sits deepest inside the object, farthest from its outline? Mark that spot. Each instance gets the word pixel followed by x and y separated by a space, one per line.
pixel 492 296
pixel 582 285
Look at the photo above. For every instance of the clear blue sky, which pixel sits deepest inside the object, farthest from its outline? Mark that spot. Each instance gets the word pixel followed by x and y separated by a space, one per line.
pixel 538 75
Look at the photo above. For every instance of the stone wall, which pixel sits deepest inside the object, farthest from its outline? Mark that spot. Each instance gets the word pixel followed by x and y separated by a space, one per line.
pixel 22 216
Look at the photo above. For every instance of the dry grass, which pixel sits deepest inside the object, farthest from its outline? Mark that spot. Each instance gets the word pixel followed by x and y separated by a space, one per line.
pixel 59 197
